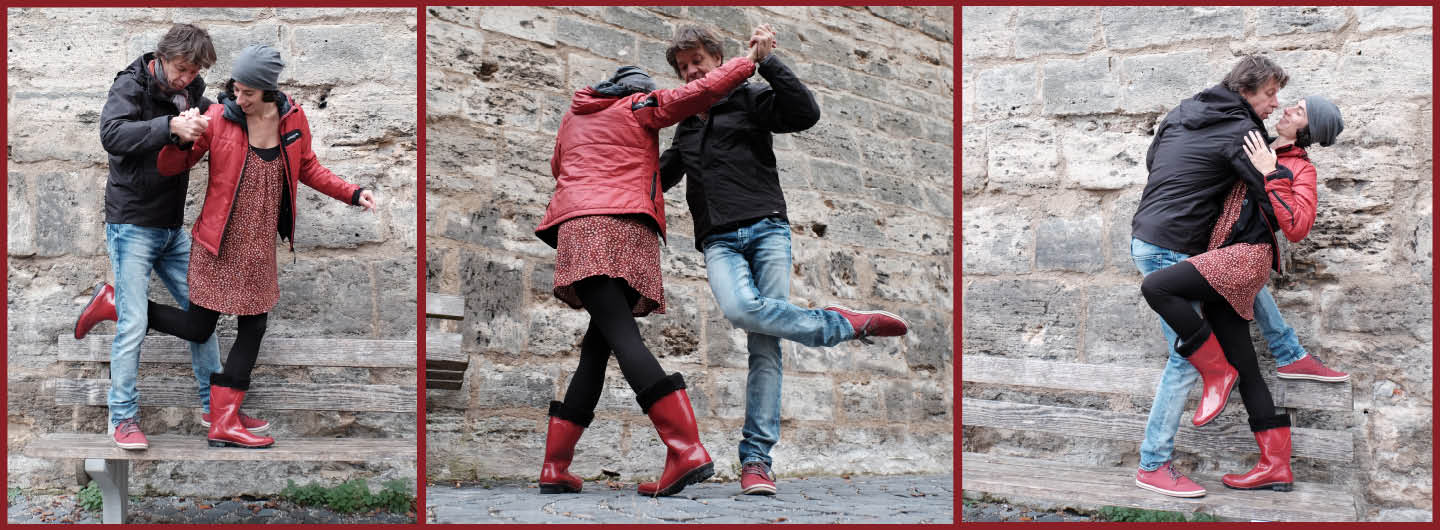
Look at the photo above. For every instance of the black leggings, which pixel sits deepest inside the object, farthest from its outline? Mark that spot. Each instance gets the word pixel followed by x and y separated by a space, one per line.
pixel 198 323
pixel 612 329
pixel 1169 292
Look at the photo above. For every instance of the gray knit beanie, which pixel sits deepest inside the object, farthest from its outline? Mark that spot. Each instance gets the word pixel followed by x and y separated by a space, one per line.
pixel 1325 122
pixel 258 66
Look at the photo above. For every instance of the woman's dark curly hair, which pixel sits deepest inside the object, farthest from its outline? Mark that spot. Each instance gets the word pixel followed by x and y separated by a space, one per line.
pixel 1302 137
pixel 269 96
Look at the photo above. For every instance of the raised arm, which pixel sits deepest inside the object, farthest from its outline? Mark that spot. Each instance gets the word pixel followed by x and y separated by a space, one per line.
pixel 663 108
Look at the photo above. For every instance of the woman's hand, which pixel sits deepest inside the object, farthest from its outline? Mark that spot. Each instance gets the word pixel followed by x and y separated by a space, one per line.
pixel 761 42
pixel 1261 156
pixel 367 200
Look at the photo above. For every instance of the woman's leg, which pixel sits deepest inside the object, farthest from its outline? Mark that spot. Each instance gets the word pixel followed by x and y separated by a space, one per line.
pixel 250 330
pixel 1169 292
pixel 195 324
pixel 605 298
pixel 1233 333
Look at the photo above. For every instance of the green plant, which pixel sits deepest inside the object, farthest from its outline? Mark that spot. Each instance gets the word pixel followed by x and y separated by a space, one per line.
pixel 1137 515
pixel 351 496
pixel 90 498
pixel 14 492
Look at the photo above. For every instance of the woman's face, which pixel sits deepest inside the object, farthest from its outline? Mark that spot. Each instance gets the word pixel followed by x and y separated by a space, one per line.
pixel 1292 120
pixel 248 98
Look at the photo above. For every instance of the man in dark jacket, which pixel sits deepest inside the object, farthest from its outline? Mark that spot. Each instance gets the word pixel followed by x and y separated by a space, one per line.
pixel 144 211
pixel 1193 161
pixel 740 224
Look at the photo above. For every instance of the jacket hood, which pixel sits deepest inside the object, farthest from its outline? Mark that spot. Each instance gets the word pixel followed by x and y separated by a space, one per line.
pixel 1214 105
pixel 234 113
pixel 588 101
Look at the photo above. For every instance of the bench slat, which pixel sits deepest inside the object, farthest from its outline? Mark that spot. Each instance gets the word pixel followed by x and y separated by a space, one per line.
pixel 443 375
pixel 175 392
pixel 1098 486
pixel 176 447
pixel 442 351
pixel 443 385
pixel 1137 381
pixel 358 353
pixel 447 306
pixel 1310 443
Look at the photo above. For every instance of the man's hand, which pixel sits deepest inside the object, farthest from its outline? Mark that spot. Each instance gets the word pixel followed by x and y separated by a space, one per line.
pixel 367 199
pixel 189 125
pixel 762 41
pixel 1261 156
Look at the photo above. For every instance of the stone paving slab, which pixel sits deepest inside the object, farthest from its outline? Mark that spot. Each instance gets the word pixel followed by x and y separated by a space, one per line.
pixel 858 499
pixel 27 508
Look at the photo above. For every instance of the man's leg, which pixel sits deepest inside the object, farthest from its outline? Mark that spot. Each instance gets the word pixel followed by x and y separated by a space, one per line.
pixel 739 298
pixel 173 268
pixel 1176 380
pixel 133 251
pixel 769 259
pixel 1278 335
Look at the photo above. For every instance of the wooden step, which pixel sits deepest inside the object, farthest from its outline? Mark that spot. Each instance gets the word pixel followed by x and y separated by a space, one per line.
pixel 1087 487
pixel 176 447
pixel 442 351
pixel 175 392
pixel 447 306
pixel 1309 443
pixel 358 353
pixel 1104 378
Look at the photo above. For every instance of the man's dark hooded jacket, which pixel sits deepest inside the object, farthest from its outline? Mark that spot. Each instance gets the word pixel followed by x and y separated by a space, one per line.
pixel 134 125
pixel 730 158
pixel 1194 160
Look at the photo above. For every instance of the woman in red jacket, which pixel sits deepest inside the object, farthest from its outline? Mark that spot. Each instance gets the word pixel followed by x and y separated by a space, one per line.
pixel 1226 278
pixel 259 145
pixel 605 220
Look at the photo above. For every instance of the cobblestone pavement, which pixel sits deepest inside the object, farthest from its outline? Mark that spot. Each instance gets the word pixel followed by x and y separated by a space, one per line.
pixel 867 499
pixel 989 512
pixel 40 508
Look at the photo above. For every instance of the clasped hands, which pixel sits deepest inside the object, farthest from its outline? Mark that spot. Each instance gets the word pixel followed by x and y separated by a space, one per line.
pixel 762 41
pixel 189 125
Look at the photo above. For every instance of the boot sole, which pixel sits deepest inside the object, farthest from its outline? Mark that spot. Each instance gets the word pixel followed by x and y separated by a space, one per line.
pixel 557 488
pixel 699 474
pixel 93 298
pixel 1228 389
pixel 1279 486
pixel 759 490
pixel 1321 378
pixel 1183 494
pixel 221 443
pixel 256 430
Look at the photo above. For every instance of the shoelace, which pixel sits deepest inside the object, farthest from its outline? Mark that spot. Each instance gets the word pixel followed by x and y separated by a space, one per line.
pixel 128 426
pixel 758 468
pixel 863 333
pixel 1174 475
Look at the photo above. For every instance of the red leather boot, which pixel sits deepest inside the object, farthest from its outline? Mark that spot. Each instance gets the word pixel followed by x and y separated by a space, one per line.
pixel 1216 374
pixel 1273 469
pixel 100 308
pixel 686 461
pixel 565 430
pixel 225 427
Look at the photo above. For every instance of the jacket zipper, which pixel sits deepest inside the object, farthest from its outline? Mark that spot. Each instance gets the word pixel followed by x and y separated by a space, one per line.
pixel 653 177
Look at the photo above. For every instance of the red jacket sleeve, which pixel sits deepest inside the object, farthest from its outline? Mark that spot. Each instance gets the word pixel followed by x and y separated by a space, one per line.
pixel 663 108
pixel 1294 198
pixel 317 176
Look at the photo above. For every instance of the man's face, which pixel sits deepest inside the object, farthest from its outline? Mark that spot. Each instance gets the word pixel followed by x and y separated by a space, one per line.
pixel 248 98
pixel 695 63
pixel 179 73
pixel 1264 100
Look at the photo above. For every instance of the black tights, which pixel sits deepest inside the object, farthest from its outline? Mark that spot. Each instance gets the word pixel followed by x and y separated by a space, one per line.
pixel 1169 292
pixel 612 329
pixel 198 323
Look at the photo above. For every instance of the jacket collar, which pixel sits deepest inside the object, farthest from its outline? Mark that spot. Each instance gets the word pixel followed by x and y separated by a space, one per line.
pixel 234 113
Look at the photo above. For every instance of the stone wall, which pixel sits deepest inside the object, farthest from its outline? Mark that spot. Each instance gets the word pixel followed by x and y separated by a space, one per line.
pixel 352 274
pixel 870 196
pixel 1059 109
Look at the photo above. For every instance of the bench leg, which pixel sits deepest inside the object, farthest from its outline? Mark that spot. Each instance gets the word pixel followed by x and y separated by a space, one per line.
pixel 114 479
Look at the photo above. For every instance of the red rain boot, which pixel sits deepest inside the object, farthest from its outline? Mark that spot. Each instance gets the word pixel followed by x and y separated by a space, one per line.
pixel 100 308
pixel 1273 469
pixel 1216 374
pixel 686 461
pixel 560 439
pixel 225 427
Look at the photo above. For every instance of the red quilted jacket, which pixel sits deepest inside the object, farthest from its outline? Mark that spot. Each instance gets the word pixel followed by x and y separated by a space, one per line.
pixel 606 159
pixel 1294 199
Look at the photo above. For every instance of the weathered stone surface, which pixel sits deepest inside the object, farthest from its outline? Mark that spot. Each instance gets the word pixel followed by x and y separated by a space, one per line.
pixel 529 23
pixel 1121 214
pixel 807 398
pixel 997 240
pixel 1096 159
pixel 1373 310
pixel 595 39
pixel 987 31
pixel 973 159
pixel 1086 86
pixel 1034 319
pixel 1393 17
pixel 1134 27
pixel 1285 20
pixel 1070 244
pixel 323 53
pixel 1121 329
pixel 1003 91
pixel 1404 61
pixel 75 115
pixel 489 286
pixel 1021 158
pixel 1051 30
pixel 638 20
pixel 1157 83
pixel 1312 72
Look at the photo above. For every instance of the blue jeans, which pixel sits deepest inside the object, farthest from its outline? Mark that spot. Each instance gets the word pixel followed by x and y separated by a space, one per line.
pixel 749 273
pixel 1179 375
pixel 136 251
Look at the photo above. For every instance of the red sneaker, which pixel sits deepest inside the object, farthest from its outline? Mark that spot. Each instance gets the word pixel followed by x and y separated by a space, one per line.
pixel 871 323
pixel 755 479
pixel 1308 367
pixel 1165 480
pixel 251 424
pixel 129 437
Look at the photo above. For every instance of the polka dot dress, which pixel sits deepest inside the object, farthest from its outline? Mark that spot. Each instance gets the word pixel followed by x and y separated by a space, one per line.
pixel 617 246
pixel 242 280
pixel 1237 271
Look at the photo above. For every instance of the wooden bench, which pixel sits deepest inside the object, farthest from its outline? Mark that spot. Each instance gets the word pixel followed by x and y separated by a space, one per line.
pixel 110 466
pixel 1047 480
pixel 445 364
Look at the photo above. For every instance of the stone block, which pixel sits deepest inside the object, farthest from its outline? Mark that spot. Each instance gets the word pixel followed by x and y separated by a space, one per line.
pixel 529 23
pixel 1070 244
pixel 1157 83
pixel 524 65
pixel 555 329
pixel 395 297
pixel 1084 86
pixel 477 226
pixel 974 159
pixel 503 107
pixel 905 279
pixel 325 297
pixel 454 47
pixel 1028 319
pixel 552 108
pixel 463 15
pixel 1097 159
pixel 38 118
pixel 930 341
pixel 199 15
pixel 596 39
pixel 1121 213
pixel 729 402
pixel 1311 72
pixel 299 14
pixel 817 360
pixel 1054 30
pixel 850 110
pixel 829 140
pixel 638 20
pixel 1369 309
pixel 862 401
pixel 886 357
pixel 886 155
pixel 1373 18
pixel 1004 91
pixel 37 52
pixel 725 344
pixel 732 20
pixel 587 71
pixel 20 214
pixel 939 131
pixel 363 114
pixel 229 41
pixel 1310 19
pixel 822 46
pixel 69 214
pixel 502 386
pixel 987 31
pixel 1134 27
pixel 1120 329
pixel 458 157
pixel 807 398
pixel 1022 157
pixel 322 221
pixel 998 240
pixel 491 284
pixel 327 54
pixel 1403 60
pixel 674 336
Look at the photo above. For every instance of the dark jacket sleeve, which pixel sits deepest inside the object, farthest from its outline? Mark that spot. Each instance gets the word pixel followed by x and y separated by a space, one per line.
pixel 788 106
pixel 671 167
pixel 1254 181
pixel 122 131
